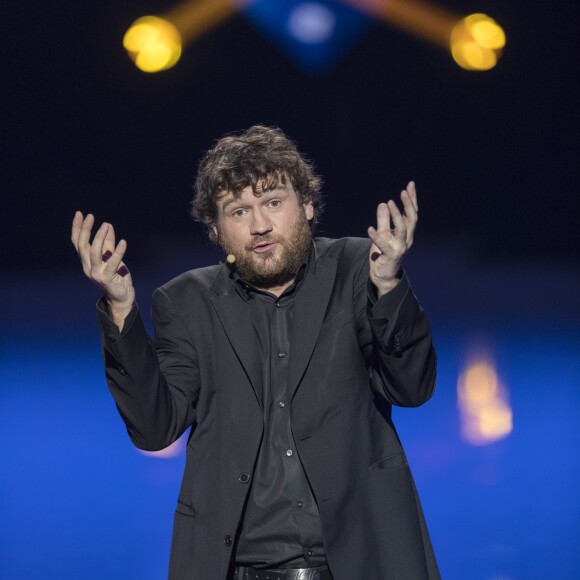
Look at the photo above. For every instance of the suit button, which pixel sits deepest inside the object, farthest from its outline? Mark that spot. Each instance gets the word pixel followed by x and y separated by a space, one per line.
pixel 244 477
pixel 122 371
pixel 228 540
pixel 398 351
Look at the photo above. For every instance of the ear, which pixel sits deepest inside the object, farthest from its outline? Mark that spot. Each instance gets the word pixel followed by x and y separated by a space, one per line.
pixel 308 210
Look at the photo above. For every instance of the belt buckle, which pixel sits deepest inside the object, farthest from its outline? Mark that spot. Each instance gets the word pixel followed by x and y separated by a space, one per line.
pixel 249 573
pixel 303 573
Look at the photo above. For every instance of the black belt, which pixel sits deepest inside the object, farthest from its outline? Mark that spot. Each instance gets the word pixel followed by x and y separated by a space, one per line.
pixel 248 573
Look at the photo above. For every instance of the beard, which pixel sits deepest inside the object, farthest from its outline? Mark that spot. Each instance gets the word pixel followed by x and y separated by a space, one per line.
pixel 266 270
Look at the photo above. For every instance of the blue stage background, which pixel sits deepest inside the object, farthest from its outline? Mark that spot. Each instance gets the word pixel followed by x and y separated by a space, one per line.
pixel 78 501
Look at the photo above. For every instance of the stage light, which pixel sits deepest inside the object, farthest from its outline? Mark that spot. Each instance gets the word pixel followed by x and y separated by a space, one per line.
pixel 153 43
pixel 311 22
pixel 484 408
pixel 495 420
pixel 476 42
pixel 486 31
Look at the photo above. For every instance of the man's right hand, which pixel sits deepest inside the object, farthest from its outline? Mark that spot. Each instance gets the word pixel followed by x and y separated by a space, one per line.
pixel 103 264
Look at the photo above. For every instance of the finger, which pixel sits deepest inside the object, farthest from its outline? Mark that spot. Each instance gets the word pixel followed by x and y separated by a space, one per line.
pixel 383 219
pixel 410 216
pixel 381 243
pixel 109 244
pixel 96 251
pixel 114 265
pixel 374 236
pixel 408 206
pixel 82 244
pixel 76 228
pixel 412 191
pixel 85 231
pixel 411 223
pixel 398 221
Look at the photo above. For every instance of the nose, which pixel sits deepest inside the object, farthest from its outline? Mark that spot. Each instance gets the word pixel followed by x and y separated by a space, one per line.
pixel 260 223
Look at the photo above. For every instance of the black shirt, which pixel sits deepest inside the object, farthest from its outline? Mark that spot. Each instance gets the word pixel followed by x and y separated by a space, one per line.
pixel 281 524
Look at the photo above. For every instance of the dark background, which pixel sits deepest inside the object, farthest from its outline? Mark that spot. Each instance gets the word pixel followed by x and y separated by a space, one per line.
pixel 494 154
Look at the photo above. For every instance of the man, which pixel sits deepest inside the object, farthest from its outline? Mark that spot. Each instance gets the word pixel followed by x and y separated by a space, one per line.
pixel 284 361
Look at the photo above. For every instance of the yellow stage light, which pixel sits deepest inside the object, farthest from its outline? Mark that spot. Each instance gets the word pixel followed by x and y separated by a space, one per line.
pixel 153 43
pixel 486 31
pixel 476 42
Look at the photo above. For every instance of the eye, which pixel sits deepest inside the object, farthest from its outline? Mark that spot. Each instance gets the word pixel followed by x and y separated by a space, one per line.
pixel 275 203
pixel 238 212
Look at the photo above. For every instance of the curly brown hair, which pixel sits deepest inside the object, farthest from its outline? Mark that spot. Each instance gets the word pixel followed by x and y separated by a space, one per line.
pixel 261 157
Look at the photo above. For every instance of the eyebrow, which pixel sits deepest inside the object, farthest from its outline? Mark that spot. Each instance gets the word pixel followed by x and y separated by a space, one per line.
pixel 229 202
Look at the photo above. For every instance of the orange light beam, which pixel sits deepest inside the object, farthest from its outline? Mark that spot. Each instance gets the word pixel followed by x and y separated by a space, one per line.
pixel 420 18
pixel 155 43
pixel 194 17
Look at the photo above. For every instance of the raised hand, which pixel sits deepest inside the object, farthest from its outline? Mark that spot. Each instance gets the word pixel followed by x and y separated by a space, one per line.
pixel 390 244
pixel 102 263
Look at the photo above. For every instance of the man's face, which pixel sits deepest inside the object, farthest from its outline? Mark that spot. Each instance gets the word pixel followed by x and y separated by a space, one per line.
pixel 268 233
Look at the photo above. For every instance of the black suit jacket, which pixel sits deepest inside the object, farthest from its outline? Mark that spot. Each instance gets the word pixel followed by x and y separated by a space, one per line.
pixel 349 362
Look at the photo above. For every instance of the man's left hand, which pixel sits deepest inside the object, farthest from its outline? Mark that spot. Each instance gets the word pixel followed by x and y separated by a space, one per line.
pixel 391 244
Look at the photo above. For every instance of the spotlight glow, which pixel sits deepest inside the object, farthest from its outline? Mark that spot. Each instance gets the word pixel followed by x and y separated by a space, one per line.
pixel 153 43
pixel 484 408
pixel 476 42
pixel 311 22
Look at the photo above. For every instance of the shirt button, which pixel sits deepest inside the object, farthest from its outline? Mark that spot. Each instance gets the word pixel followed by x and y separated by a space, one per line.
pixel 281 404
pixel 244 477
pixel 278 305
pixel 289 452
pixel 281 354
pixel 309 552
pixel 228 540
pixel 300 504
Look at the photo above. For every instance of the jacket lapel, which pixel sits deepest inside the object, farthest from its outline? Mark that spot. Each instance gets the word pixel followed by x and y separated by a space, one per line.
pixel 310 307
pixel 234 315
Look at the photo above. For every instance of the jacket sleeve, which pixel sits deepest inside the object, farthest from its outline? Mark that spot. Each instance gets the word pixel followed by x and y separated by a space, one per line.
pixel 155 387
pixel 398 345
